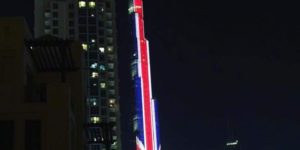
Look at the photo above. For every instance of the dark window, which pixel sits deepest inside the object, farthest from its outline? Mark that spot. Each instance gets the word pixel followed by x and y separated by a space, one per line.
pixel 94 111
pixel 47 27
pixel 83 38
pixel 71 31
pixel 103 93
pixel 93 36
pixel 93 55
pixel 103 104
pixel 102 58
pixel 101 32
pixel 92 29
pixel 82 29
pixel 95 147
pixel 92 11
pixel 71 6
pixel 94 91
pixel 107 4
pixel 55 14
pixel 7 135
pixel 101 40
pixel 82 12
pixel 55 6
pixel 82 20
pixel 101 23
pixel 55 23
pixel 71 23
pixel 103 111
pixel 55 31
pixel 112 114
pixel 71 14
pixel 29 85
pixel 33 135
pixel 43 92
pixel 93 47
pixel 92 21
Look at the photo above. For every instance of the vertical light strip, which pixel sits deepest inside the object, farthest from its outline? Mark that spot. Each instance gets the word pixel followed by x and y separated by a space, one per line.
pixel 151 98
pixel 154 124
pixel 149 70
pixel 145 78
pixel 137 32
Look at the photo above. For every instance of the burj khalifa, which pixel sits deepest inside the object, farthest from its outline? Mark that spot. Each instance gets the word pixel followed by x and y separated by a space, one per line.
pixel 146 119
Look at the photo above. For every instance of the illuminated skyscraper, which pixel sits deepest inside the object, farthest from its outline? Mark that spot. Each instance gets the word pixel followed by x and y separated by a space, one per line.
pixel 146 118
pixel 93 23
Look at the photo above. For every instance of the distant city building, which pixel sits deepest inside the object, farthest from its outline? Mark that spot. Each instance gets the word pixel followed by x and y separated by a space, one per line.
pixel 93 23
pixel 41 90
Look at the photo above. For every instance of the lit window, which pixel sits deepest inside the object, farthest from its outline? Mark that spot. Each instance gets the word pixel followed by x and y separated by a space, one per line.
pixel 84 46
pixel 92 15
pixel 108 15
pixel 101 49
pixel 82 4
pixel 94 65
pixel 113 119
pixel 47 23
pixel 112 101
pixel 112 92
pixel 93 101
pixel 111 66
pixel 115 137
pixel 95 119
pixel 47 31
pixel 110 48
pixel 102 68
pixel 93 40
pixel 47 14
pixel 95 75
pixel 103 85
pixel 111 105
pixel 94 84
pixel 111 83
pixel 92 4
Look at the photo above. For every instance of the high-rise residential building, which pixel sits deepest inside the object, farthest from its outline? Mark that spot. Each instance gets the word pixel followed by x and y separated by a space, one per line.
pixel 93 23
pixel 41 90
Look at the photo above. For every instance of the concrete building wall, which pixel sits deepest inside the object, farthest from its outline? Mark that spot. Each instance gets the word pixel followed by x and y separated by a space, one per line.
pixel 61 115
pixel 54 17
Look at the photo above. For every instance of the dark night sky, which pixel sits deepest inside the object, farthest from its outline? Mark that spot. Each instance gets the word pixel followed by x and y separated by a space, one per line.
pixel 212 63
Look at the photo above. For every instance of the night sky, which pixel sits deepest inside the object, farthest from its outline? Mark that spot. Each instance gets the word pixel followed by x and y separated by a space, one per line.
pixel 214 64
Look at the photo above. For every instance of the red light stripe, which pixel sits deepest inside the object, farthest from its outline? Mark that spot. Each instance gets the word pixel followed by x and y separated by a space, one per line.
pixel 145 76
pixel 146 89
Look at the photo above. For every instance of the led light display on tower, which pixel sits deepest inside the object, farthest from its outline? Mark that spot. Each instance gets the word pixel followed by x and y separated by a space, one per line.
pixel 146 118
